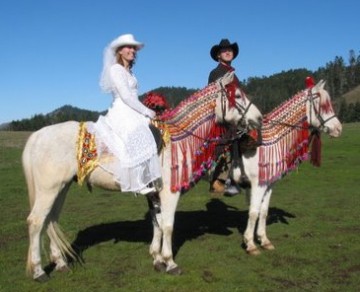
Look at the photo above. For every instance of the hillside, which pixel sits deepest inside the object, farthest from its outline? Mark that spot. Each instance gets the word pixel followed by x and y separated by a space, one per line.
pixel 174 95
pixel 342 83
pixel 353 96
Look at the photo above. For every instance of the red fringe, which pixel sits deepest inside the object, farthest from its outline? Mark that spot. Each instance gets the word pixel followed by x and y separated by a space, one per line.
pixel 230 89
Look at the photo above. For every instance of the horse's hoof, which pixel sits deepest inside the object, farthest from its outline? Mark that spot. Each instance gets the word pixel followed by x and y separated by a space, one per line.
pixel 174 271
pixel 63 269
pixel 160 267
pixel 42 278
pixel 253 252
pixel 268 246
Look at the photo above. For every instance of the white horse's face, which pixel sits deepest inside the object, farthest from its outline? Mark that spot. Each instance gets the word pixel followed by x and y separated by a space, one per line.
pixel 243 113
pixel 321 112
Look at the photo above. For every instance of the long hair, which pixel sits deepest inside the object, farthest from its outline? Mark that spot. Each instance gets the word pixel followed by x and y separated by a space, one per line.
pixel 111 57
pixel 121 61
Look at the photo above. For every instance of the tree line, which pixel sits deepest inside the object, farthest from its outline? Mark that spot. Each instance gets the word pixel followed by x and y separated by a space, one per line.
pixel 341 77
pixel 266 92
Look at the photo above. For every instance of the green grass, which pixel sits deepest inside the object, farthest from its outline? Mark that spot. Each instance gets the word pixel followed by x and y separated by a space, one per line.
pixel 313 223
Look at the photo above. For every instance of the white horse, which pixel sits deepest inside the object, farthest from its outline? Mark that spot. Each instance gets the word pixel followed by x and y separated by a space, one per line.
pixel 56 154
pixel 286 138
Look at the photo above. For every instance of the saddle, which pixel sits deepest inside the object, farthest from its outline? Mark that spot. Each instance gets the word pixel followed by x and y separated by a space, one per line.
pixel 158 137
pixel 87 151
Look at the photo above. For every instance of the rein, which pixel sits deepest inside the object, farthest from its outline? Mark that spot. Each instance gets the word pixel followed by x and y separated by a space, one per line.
pixel 242 111
pixel 313 111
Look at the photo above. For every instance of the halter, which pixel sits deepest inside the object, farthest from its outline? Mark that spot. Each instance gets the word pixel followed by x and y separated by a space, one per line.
pixel 317 111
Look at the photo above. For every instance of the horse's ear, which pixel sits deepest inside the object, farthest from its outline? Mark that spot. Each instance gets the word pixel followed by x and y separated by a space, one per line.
pixel 228 78
pixel 320 85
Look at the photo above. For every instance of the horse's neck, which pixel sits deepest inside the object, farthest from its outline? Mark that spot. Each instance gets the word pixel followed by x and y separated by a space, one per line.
pixel 191 113
pixel 193 155
pixel 286 118
pixel 285 139
pixel 193 133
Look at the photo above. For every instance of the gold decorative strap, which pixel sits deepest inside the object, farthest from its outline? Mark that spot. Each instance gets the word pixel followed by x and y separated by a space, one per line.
pixel 86 153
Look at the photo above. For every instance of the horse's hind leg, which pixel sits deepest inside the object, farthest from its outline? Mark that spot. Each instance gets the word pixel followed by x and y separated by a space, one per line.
pixel 36 220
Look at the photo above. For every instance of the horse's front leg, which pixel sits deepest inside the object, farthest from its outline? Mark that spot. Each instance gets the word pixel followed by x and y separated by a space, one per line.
pixel 261 228
pixel 155 247
pixel 36 221
pixel 257 194
pixel 169 203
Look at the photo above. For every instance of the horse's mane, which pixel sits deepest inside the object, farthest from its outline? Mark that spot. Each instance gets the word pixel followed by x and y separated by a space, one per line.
pixel 285 139
pixel 191 113
pixel 193 136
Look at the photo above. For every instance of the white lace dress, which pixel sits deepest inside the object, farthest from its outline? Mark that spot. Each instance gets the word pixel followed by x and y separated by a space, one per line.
pixel 125 132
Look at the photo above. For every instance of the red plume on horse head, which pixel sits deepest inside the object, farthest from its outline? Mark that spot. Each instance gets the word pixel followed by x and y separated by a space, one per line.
pixel 309 82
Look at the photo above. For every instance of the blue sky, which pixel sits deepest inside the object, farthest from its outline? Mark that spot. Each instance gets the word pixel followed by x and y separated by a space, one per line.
pixel 51 51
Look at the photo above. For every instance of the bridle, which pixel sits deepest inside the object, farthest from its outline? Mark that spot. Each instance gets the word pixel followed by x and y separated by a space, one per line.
pixel 316 111
pixel 242 110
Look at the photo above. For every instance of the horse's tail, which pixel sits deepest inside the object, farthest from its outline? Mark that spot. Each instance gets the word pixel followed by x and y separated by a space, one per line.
pixel 57 236
pixel 26 163
pixel 29 177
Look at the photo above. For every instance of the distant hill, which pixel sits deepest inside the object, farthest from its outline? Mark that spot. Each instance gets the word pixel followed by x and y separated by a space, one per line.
pixel 343 84
pixel 353 96
pixel 67 112
pixel 76 113
pixel 62 114
pixel 173 95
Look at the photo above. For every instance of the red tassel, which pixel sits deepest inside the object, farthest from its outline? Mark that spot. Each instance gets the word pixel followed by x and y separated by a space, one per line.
pixel 230 89
pixel 316 149
pixel 174 168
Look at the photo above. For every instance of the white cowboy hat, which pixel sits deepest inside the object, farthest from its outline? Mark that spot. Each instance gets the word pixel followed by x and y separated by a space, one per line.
pixel 125 40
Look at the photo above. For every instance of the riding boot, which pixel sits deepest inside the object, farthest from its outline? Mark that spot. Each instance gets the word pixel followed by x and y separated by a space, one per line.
pixel 217 186
pixel 230 188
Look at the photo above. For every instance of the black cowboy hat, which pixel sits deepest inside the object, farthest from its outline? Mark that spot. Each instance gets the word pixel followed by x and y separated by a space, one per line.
pixel 224 43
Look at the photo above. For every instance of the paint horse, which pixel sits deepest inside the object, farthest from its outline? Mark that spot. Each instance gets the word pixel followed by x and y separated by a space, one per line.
pixel 286 135
pixel 56 155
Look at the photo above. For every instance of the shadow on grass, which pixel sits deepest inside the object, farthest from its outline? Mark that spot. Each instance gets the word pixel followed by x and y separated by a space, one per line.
pixel 218 218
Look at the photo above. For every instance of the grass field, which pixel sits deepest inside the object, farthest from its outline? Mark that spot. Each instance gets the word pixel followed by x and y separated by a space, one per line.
pixel 314 223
